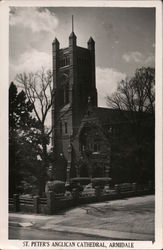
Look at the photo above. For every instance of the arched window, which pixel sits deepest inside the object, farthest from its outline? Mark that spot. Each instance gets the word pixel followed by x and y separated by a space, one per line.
pixel 66 131
pixel 84 170
pixel 64 62
pixel 66 93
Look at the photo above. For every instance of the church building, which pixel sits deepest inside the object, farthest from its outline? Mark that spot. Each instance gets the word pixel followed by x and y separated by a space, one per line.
pixel 82 132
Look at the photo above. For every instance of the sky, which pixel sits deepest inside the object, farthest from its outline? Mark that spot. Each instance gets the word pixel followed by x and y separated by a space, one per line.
pixel 124 40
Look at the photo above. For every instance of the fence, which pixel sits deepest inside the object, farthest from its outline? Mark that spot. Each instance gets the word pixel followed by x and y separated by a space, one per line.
pixel 54 203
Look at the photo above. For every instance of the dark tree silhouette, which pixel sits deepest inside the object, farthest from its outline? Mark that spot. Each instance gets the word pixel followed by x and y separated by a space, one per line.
pixel 23 139
pixel 135 97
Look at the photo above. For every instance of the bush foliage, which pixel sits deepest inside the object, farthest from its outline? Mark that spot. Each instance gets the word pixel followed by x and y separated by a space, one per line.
pixel 101 182
pixel 55 186
pixel 80 180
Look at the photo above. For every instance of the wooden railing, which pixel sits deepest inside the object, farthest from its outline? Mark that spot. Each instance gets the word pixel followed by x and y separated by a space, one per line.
pixel 54 202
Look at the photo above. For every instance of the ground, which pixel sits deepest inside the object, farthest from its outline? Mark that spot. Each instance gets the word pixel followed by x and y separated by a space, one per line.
pixel 130 219
pixel 37 234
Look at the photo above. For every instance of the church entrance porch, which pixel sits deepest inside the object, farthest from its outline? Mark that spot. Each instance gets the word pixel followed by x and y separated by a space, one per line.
pixel 84 170
pixel 94 151
pixel 98 170
pixel 93 168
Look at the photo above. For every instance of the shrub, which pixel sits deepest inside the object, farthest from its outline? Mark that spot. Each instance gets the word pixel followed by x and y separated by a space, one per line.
pixel 101 182
pixel 70 187
pixel 80 180
pixel 56 186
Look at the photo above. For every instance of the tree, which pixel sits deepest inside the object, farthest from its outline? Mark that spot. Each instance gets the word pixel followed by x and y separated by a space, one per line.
pixel 19 109
pixel 136 94
pixel 22 134
pixel 136 98
pixel 38 89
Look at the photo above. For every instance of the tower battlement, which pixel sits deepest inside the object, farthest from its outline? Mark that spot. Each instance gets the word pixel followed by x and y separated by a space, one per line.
pixel 73 82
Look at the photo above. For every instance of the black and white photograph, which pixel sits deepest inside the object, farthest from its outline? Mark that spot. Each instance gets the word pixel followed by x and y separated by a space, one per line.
pixel 83 168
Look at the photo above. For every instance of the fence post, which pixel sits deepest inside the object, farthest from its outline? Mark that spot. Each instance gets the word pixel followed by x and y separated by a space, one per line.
pixel 98 191
pixel 16 203
pixel 134 187
pixel 117 189
pixel 50 202
pixel 36 202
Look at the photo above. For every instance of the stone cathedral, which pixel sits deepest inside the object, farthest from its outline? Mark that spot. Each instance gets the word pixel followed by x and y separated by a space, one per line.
pixel 82 131
pixel 79 140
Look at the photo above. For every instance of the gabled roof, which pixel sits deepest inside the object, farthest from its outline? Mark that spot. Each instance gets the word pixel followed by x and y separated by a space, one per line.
pixel 110 116
pixel 106 115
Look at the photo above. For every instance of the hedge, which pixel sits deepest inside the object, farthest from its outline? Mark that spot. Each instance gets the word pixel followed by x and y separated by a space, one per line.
pixel 81 180
pixel 100 181
pixel 56 186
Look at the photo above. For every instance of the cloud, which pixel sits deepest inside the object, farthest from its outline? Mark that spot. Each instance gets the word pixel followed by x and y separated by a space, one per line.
pixel 133 56
pixel 137 57
pixel 150 60
pixel 30 61
pixel 33 18
pixel 106 82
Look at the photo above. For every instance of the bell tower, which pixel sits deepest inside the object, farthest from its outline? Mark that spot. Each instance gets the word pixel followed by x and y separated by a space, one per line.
pixel 73 82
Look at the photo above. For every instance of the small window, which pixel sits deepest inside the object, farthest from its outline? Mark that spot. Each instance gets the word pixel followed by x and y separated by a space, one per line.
pixel 96 147
pixel 60 127
pixel 65 127
pixel 90 146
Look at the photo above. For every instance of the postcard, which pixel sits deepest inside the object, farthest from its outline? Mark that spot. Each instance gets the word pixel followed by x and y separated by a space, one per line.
pixel 81 125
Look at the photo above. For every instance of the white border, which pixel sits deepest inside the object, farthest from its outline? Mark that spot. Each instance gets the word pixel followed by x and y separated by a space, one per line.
pixel 4 83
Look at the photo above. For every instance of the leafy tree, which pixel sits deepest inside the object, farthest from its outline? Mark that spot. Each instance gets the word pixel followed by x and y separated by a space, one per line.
pixel 133 153
pixel 19 109
pixel 23 141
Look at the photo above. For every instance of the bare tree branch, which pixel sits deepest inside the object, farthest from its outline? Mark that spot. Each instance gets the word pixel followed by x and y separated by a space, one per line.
pixel 136 94
pixel 38 87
